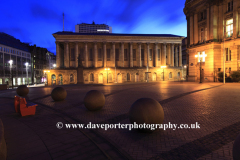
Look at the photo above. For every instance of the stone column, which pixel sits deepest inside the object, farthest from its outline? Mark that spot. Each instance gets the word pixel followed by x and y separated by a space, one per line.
pixel 176 56
pixel 180 55
pixel 195 28
pixel 95 54
pixel 122 53
pixel 139 52
pixel 114 54
pixel 104 55
pixel 164 55
pixel 66 55
pixel 191 30
pixel 172 63
pixel 86 55
pixel 169 53
pixel 235 18
pixel 76 54
pixel 156 55
pixel 58 56
pixel 147 55
pixel 131 55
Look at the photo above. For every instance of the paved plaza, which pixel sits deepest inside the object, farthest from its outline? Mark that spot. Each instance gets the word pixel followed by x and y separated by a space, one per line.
pixel 216 107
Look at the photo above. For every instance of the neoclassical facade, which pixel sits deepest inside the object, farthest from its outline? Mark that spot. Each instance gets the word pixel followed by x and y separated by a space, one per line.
pixel 119 58
pixel 213 37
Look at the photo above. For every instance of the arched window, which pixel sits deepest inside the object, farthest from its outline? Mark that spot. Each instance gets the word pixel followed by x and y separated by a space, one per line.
pixel 60 79
pixel 110 77
pixel 71 78
pixel 53 79
pixel 170 75
pixel 128 77
pixel 91 77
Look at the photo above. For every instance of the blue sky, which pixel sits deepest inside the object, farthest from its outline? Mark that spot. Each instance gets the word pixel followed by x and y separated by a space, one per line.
pixel 34 22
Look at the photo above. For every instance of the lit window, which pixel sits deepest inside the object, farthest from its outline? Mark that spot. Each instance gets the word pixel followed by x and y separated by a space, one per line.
pixel 150 54
pixel 91 77
pixel 228 54
pixel 34 66
pixel 229 28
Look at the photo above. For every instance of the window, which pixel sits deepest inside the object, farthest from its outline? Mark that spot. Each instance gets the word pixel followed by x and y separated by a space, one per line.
pixel 229 28
pixel 229 69
pixel 170 75
pixel 71 78
pixel 158 54
pixel 0 48
pixel 128 77
pixel 99 54
pixel 228 54
pixel 142 54
pixel 230 6
pixel 34 66
pixel 117 54
pixel 91 77
pixel 108 55
pixel 8 50
pixel 3 49
pixel 90 55
pixel 81 54
pixel 72 54
pixel 125 54
pixel 202 34
pixel 219 69
pixel 109 77
pixel 150 54
pixel 134 54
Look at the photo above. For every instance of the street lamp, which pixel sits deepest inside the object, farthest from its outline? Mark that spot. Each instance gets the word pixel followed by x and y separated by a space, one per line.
pixel 54 65
pixel 107 69
pixel 27 64
pixel 11 76
pixel 163 70
pixel 200 59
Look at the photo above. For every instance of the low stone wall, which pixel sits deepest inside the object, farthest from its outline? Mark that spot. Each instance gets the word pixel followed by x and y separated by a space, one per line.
pixel 3 147
pixel 3 86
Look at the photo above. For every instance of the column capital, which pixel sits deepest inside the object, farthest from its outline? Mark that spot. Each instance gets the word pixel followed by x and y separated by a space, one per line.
pixel 164 44
pixel 122 42
pixel 113 43
pixel 139 43
pixel 104 43
pixel 156 43
pixel 57 42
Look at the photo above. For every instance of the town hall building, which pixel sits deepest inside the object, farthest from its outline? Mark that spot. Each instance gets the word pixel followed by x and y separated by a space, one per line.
pixel 116 58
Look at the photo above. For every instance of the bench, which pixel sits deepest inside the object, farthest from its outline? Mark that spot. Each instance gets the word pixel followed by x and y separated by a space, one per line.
pixel 21 106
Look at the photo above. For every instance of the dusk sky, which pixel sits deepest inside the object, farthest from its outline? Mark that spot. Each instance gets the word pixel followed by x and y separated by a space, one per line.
pixel 34 22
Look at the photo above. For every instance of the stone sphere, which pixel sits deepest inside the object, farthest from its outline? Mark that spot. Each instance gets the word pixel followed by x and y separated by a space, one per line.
pixel 236 148
pixel 22 90
pixel 148 111
pixel 59 94
pixel 94 100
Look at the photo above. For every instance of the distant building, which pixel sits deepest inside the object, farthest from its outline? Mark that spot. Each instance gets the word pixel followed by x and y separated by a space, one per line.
pixel 121 58
pixel 12 49
pixel 51 60
pixel 213 30
pixel 39 63
pixel 92 28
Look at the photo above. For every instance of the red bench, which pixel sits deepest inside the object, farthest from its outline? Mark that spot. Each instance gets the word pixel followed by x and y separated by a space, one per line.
pixel 21 105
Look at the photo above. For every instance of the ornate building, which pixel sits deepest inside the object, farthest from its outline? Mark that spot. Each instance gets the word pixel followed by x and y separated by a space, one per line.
pixel 108 58
pixel 213 37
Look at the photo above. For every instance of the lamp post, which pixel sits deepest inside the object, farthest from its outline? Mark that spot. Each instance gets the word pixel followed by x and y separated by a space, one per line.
pixel 163 70
pixel 27 71
pixel 11 77
pixel 200 60
pixel 54 66
pixel 107 69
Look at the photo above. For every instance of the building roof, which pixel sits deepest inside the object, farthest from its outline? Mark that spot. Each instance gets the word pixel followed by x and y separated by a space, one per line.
pixel 117 34
pixel 10 41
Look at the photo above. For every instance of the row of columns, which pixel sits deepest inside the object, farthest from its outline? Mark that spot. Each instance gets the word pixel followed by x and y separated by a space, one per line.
pixel 164 51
